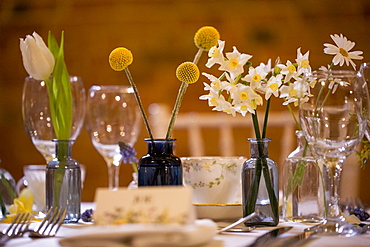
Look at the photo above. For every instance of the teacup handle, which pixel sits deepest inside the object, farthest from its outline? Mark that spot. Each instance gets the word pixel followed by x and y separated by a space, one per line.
pixel 21 184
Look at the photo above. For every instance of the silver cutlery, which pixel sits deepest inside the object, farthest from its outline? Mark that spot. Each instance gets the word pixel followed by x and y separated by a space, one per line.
pixel 268 238
pixel 17 227
pixel 50 224
pixel 241 220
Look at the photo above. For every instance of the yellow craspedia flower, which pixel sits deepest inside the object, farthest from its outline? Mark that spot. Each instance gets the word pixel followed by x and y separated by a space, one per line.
pixel 120 58
pixel 206 37
pixel 187 72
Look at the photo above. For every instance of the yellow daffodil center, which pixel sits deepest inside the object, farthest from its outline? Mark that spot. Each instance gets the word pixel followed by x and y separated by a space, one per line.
pixel 216 84
pixel 343 52
pixel 214 102
pixel 206 37
pixel 227 110
pixel 293 93
pixel 187 72
pixel 213 52
pixel 120 58
pixel 243 95
pixel 256 78
pixel 291 68
pixel 233 63
pixel 274 86
pixel 243 108
pixel 305 63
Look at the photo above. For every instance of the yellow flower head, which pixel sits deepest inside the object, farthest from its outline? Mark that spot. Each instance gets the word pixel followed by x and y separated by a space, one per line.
pixel 120 58
pixel 206 37
pixel 187 72
pixel 21 204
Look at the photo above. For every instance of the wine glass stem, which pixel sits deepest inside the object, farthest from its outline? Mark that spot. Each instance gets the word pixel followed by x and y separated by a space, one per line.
pixel 334 173
pixel 113 176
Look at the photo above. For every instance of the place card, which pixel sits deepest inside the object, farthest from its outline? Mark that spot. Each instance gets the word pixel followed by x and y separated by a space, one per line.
pixel 145 205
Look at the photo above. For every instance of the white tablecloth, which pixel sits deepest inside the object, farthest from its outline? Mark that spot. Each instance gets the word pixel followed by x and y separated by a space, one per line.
pixel 220 240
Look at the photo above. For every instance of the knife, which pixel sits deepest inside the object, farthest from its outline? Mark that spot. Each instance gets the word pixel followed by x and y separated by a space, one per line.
pixel 262 240
pixel 296 240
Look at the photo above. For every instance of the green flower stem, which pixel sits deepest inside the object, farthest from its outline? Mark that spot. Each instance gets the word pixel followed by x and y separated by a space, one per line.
pixel 176 108
pixel 131 80
pixel 294 118
pixel 60 171
pixel 198 55
pixel 10 191
pixel 2 205
pixel 266 118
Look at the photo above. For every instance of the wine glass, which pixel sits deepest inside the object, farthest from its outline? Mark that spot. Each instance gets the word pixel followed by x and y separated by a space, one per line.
pixel 37 118
pixel 364 77
pixel 112 116
pixel 333 124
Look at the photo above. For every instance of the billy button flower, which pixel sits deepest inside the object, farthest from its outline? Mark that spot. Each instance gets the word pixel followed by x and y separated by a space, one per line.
pixel 119 59
pixel 205 38
pixel 187 73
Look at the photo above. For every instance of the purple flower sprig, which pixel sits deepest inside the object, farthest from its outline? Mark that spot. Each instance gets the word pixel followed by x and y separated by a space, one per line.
pixel 128 154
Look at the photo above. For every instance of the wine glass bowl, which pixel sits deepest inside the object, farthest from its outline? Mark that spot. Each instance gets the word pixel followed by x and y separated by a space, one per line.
pixel 333 123
pixel 364 78
pixel 112 116
pixel 37 117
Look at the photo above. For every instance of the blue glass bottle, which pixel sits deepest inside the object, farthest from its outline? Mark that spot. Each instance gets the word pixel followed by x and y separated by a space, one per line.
pixel 160 166
pixel 63 182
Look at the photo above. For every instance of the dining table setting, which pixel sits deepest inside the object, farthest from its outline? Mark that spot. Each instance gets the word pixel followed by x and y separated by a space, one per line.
pixel 207 201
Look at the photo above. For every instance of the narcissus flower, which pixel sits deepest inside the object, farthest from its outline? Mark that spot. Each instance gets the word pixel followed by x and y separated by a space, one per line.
pixel 21 204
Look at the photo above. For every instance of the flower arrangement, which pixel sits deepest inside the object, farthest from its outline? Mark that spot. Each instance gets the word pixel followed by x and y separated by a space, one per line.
pixel 238 92
pixel 47 63
pixel 188 73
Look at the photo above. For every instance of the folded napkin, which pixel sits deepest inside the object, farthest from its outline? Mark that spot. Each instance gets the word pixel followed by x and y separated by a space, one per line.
pixel 143 235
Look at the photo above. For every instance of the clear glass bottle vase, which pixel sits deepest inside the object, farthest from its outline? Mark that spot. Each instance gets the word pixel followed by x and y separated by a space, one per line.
pixel 260 186
pixel 63 182
pixel 160 166
pixel 303 185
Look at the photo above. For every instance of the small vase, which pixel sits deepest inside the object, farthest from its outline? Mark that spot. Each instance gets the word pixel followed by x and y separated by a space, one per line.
pixel 303 185
pixel 7 191
pixel 160 166
pixel 260 187
pixel 63 181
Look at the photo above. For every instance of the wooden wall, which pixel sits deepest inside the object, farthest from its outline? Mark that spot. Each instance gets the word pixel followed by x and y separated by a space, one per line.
pixel 160 35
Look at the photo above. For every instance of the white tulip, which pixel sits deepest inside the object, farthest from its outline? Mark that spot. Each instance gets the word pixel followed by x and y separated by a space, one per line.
pixel 37 58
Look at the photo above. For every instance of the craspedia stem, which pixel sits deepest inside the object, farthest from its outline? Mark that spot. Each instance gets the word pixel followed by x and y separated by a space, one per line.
pixel 119 59
pixel 187 73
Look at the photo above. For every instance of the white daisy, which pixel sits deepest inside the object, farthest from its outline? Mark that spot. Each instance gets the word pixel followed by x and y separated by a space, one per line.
pixel 342 51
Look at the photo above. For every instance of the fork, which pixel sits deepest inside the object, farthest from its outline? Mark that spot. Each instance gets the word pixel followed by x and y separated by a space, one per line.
pixel 17 227
pixel 50 224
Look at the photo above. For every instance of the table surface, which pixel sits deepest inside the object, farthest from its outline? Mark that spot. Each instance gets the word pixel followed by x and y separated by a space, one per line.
pixel 220 240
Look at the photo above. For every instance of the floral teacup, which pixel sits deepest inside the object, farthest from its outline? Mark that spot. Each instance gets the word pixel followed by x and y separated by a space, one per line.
pixel 215 180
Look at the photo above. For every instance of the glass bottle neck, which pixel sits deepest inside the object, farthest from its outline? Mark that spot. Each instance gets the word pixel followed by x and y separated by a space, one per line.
pixel 259 147
pixel 63 148
pixel 160 147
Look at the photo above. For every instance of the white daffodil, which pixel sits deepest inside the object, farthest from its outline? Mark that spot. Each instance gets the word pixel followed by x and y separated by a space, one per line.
pixel 215 82
pixel 273 85
pixel 37 58
pixel 299 90
pixel 216 54
pixel 214 98
pixel 342 50
pixel 256 75
pixel 245 95
pixel 290 71
pixel 235 63
pixel 303 62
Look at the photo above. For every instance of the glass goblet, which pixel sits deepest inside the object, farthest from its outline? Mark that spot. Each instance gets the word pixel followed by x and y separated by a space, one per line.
pixel 333 126
pixel 112 116
pixel 37 118
pixel 363 80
